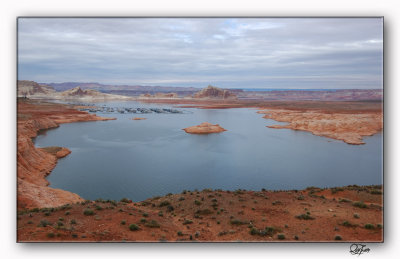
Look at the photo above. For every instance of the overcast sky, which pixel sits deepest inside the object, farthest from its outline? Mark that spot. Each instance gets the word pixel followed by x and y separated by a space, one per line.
pixel 225 52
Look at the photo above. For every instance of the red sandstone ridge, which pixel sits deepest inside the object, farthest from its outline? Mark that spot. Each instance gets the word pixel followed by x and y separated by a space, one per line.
pixel 204 128
pixel 138 119
pixel 212 92
pixel 34 164
pixel 349 127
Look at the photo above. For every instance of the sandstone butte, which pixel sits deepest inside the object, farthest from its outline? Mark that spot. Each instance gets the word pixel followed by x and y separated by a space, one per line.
pixel 204 128
pixel 34 164
pixel 348 127
pixel 138 119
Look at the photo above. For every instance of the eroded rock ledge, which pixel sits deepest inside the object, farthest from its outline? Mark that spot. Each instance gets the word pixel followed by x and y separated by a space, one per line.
pixel 348 127
pixel 34 164
pixel 204 128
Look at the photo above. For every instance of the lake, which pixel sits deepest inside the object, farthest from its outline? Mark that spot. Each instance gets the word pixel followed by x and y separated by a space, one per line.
pixel 146 158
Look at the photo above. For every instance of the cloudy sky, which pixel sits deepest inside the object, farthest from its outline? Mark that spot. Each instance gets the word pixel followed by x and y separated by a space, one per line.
pixel 308 53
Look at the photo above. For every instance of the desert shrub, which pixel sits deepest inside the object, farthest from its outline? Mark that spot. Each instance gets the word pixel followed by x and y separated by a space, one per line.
pixel 197 202
pixel 356 215
pixel 123 222
pixel 348 224
pixel 204 212
pixel 369 226
pixel 61 219
pixel 98 207
pixel 300 198
pixel 145 214
pixel 133 227
pixel 304 216
pixel 124 200
pixel 143 220
pixel 152 224
pixel 281 236
pixel 376 192
pixel 276 202
pixel 164 203
pixel 160 213
pixel 335 190
pixel 337 237
pixel 88 212
pixel 67 213
pixel 238 222
pixel 30 222
pixel 60 224
pixel 360 204
pixel 50 235
pixel 74 235
pixel 187 221
pixel 181 199
pixel 170 208
pixel 44 223
pixel 72 222
pixel 344 200
pixel 180 233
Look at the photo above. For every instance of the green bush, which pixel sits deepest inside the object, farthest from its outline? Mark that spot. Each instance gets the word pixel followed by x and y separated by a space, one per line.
pixel 369 226
pixel 360 204
pixel 180 233
pixel 164 203
pixel 88 212
pixel 281 236
pixel 44 223
pixel 187 221
pixel 133 227
pixel 304 216
pixel 338 237
pixel 152 224
pixel 124 200
pixel 356 216
pixel 123 222
pixel 197 202
pixel 238 222
pixel 72 222
pixel 51 235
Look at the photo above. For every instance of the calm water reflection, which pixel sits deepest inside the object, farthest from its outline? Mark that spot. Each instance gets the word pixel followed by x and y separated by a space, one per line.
pixel 141 159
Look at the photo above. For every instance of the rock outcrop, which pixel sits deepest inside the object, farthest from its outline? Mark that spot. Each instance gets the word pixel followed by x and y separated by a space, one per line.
pixel 348 127
pixel 204 128
pixel 31 88
pixel 34 164
pixel 212 92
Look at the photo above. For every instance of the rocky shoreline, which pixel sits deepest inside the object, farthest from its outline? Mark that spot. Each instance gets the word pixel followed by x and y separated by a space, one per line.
pixel 34 164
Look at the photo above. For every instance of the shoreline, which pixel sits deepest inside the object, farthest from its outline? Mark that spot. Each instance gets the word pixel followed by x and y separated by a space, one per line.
pixel 33 189
pixel 34 164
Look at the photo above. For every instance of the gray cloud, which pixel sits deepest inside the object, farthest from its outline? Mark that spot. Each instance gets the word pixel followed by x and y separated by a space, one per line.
pixel 246 53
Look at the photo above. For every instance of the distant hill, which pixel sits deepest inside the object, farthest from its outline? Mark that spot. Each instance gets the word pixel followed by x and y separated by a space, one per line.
pixel 129 90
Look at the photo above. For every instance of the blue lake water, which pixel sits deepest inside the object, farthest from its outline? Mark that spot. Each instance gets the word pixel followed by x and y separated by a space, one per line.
pixel 142 159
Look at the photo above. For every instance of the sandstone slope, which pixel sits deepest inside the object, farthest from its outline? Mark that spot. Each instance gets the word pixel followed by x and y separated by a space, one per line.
pixel 349 127
pixel 34 164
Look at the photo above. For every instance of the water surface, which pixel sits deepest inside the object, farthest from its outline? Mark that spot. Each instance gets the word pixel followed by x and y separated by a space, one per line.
pixel 142 159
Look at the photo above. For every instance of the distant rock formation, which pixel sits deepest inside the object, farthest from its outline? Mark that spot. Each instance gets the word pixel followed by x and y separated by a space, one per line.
pixel 212 92
pixel 30 88
pixel 204 128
